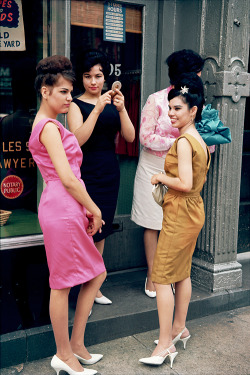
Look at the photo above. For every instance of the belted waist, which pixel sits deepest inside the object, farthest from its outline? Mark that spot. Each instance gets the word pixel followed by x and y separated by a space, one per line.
pixel 58 179
pixel 183 194
pixel 52 179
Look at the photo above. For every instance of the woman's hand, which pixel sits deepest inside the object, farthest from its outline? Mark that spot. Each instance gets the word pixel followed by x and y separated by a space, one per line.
pixel 155 179
pixel 95 223
pixel 102 101
pixel 118 100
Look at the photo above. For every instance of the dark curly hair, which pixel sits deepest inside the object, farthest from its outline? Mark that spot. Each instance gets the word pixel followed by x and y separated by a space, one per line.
pixel 87 59
pixel 184 61
pixel 195 94
pixel 50 69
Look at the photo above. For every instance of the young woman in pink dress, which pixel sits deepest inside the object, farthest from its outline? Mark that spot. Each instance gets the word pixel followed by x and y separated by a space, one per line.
pixel 67 215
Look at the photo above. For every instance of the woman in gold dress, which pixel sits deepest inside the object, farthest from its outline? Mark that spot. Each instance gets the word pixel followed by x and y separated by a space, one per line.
pixel 186 167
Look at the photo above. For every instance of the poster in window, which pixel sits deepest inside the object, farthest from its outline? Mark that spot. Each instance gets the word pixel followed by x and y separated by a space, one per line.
pixel 12 36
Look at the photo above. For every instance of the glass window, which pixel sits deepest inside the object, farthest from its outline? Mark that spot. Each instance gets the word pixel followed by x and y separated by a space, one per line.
pixel 24 289
pixel 125 58
pixel 19 182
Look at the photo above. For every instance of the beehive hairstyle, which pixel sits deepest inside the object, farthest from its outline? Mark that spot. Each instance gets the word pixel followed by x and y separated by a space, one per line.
pixel 195 94
pixel 50 69
pixel 183 61
pixel 87 59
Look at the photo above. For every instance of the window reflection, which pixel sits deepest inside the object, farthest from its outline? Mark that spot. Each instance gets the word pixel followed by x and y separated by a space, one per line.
pixel 18 172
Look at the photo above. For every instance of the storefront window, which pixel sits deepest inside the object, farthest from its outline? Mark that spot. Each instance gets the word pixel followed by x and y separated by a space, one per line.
pixel 19 55
pixel 87 24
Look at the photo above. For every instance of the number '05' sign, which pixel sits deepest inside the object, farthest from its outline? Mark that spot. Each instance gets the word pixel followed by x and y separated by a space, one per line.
pixel 115 68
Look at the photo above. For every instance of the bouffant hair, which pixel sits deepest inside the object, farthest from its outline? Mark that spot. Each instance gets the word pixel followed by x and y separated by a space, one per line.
pixel 184 61
pixel 195 92
pixel 50 69
pixel 87 59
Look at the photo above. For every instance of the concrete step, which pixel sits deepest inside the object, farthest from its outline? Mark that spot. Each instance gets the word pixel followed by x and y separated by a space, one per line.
pixel 208 352
pixel 131 312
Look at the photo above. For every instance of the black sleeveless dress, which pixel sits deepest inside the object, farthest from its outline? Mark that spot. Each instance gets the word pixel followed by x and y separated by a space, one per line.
pixel 100 168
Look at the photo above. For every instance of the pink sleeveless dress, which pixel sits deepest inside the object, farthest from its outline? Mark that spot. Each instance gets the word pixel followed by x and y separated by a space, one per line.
pixel 71 254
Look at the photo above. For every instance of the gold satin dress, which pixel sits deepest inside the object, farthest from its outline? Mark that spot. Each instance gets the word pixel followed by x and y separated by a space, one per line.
pixel 183 218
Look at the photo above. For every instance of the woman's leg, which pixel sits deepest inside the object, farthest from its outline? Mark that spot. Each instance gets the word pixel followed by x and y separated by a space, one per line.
pixel 84 304
pixel 183 291
pixel 100 247
pixel 165 306
pixel 59 320
pixel 150 245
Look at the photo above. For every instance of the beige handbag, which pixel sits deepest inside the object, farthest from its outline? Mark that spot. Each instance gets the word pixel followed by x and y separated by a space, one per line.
pixel 159 190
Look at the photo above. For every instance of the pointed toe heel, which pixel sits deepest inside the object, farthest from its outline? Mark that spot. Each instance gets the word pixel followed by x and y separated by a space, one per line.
pixel 103 300
pixel 94 358
pixel 158 360
pixel 58 365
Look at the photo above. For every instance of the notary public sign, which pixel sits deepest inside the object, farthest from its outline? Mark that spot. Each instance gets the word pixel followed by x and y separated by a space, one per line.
pixel 12 36
pixel 12 187
pixel 114 29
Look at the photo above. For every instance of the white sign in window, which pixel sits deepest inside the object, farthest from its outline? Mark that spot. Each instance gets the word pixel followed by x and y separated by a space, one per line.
pixel 114 22
pixel 11 26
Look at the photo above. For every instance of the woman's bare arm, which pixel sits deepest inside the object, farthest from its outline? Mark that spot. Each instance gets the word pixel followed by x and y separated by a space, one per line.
pixel 184 181
pixel 50 137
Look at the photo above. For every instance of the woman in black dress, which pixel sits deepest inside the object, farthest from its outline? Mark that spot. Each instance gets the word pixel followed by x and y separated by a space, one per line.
pixel 95 119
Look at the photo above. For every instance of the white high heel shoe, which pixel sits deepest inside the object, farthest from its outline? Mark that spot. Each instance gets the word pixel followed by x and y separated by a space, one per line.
pixel 184 340
pixel 158 360
pixel 151 294
pixel 58 365
pixel 178 338
pixel 94 358
pixel 103 300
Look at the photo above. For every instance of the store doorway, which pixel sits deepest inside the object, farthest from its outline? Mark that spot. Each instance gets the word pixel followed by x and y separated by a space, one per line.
pixel 87 24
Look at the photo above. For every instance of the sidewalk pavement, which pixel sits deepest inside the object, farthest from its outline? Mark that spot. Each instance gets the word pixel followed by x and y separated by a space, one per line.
pixel 219 345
